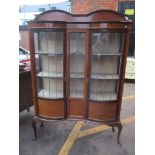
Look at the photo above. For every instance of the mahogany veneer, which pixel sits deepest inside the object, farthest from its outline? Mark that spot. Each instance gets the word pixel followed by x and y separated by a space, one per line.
pixel 78 66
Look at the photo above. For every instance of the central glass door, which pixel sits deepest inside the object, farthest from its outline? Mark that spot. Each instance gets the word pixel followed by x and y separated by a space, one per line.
pixel 77 74
pixel 77 61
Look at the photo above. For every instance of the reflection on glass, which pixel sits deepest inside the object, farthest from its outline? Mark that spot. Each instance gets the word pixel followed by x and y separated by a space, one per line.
pixel 77 43
pixel 77 53
pixel 49 64
pixel 76 88
pixel 107 49
pixel 107 43
pixel 51 42
pixel 51 88
pixel 103 90
pixel 104 67
pixel 77 66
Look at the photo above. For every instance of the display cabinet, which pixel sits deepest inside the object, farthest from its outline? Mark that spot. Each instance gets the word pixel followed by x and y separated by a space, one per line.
pixel 78 66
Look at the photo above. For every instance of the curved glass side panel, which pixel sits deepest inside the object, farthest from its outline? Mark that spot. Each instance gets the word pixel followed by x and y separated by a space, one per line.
pixel 107 50
pixel 49 55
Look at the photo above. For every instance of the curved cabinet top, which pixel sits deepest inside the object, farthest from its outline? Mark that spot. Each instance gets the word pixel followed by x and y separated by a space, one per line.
pixel 98 16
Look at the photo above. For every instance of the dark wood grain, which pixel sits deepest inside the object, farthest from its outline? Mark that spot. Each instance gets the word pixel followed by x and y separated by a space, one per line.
pixel 100 21
pixel 102 111
pixel 96 16
pixel 97 21
pixel 77 107
pixel 51 108
pixel 47 25
pixel 33 70
pixel 122 75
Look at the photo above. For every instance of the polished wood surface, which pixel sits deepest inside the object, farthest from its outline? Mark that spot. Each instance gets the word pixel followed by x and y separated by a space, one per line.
pixel 96 16
pixel 122 75
pixel 47 25
pixel 51 108
pixel 77 26
pixel 97 21
pixel 102 111
pixel 77 107
pixel 33 71
pixel 109 26
pixel 82 106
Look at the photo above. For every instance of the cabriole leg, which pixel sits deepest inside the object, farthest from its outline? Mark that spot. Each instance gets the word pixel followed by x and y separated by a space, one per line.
pixel 113 129
pixel 41 124
pixel 119 126
pixel 34 128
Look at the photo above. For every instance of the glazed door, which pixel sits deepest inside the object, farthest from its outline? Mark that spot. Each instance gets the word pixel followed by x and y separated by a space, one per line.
pixel 105 58
pixel 50 75
pixel 77 74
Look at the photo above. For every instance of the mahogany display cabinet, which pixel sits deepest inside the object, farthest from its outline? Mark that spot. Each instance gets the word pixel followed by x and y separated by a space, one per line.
pixel 78 66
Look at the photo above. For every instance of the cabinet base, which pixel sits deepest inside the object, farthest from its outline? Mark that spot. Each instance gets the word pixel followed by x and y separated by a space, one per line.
pixel 113 125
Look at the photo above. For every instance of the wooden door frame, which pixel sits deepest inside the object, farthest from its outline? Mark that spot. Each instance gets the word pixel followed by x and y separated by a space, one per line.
pixel 33 67
pixel 122 69
pixel 85 79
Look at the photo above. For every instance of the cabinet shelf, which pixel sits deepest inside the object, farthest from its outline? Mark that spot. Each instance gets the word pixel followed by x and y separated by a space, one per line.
pixel 50 53
pixel 45 93
pixel 50 75
pixel 103 96
pixel 77 75
pixel 105 54
pixel 99 76
pixel 77 94
pixel 77 53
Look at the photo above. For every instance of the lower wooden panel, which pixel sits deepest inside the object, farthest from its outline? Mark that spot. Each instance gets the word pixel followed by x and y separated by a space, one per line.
pixel 51 108
pixel 102 111
pixel 77 107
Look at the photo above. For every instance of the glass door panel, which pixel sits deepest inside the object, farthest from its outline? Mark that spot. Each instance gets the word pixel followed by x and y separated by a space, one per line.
pixel 50 42
pixel 104 67
pixel 107 43
pixel 51 66
pixel 77 55
pixel 76 87
pixel 101 90
pixel 107 49
pixel 50 88
pixel 49 56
